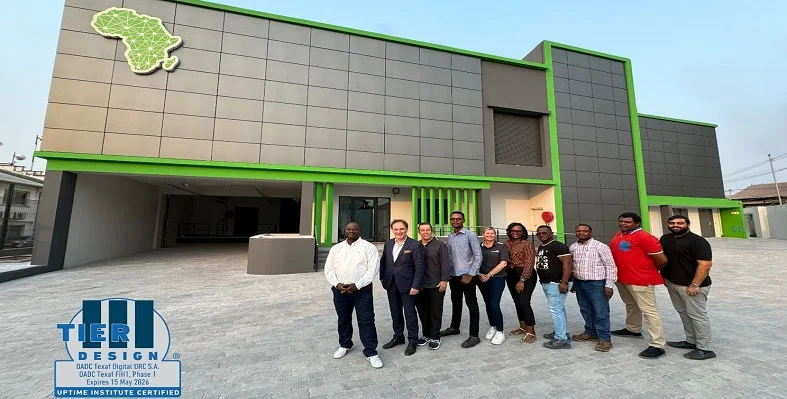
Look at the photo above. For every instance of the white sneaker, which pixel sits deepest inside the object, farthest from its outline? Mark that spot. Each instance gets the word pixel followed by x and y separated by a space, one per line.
pixel 340 352
pixel 375 361
pixel 499 338
pixel 490 333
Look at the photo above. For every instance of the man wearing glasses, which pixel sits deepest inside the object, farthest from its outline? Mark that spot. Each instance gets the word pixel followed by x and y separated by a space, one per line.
pixel 464 249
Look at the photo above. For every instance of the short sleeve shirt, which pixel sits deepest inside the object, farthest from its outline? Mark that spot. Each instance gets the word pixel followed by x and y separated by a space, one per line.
pixel 682 255
pixel 492 257
pixel 631 251
pixel 549 265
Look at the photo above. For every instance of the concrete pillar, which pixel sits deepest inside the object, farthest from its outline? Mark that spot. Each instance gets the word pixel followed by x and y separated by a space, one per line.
pixel 53 220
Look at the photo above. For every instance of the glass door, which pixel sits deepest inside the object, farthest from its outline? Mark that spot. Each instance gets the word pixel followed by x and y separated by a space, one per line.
pixel 372 214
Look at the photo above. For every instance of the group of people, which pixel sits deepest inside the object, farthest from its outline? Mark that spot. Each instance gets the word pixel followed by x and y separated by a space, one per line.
pixel 417 273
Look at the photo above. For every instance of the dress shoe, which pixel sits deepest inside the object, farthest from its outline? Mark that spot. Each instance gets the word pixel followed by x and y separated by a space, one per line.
pixel 411 348
pixel 394 342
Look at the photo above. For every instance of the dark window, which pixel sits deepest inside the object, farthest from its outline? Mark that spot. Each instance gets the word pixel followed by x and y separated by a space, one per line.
pixel 517 140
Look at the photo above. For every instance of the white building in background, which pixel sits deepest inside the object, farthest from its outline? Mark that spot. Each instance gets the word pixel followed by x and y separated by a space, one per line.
pixel 23 201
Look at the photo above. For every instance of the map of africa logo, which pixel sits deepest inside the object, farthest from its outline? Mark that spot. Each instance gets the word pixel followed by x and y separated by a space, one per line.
pixel 147 41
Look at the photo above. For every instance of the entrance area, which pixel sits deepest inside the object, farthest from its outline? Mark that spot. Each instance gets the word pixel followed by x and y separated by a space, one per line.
pixel 706 223
pixel 372 213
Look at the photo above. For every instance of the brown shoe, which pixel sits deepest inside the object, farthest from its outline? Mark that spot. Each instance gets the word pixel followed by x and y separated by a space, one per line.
pixel 603 346
pixel 584 337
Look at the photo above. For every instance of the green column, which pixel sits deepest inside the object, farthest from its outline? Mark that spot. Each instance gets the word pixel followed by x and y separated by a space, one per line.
pixel 318 212
pixel 457 204
pixel 328 238
pixel 423 214
pixel 466 206
pixel 414 206
pixel 441 207
pixel 474 211
pixel 432 210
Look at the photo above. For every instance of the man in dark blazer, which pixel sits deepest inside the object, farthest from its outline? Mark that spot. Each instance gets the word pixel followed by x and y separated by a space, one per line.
pixel 402 273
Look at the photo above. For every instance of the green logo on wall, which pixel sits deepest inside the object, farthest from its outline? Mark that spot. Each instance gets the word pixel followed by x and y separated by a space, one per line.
pixel 147 41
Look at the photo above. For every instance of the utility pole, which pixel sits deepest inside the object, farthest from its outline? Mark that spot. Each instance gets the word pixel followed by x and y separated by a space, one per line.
pixel 778 194
pixel 729 193
pixel 35 148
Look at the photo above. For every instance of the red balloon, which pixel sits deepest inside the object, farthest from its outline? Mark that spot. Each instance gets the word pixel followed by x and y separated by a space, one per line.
pixel 547 216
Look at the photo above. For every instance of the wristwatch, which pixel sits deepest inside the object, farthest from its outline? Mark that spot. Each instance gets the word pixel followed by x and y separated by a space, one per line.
pixel 521 279
pixel 694 285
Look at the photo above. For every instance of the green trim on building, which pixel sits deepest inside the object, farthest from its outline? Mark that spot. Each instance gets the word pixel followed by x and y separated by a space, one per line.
pixel 413 208
pixel 327 239
pixel 318 212
pixel 553 141
pixel 357 32
pixel 636 139
pixel 695 202
pixel 237 170
pixel 582 50
pixel 664 118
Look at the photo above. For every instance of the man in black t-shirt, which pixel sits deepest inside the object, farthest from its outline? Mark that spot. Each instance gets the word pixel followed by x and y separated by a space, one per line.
pixel 688 283
pixel 553 265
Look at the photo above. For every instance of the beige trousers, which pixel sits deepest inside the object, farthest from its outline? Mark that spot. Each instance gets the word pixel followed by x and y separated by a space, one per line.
pixel 641 300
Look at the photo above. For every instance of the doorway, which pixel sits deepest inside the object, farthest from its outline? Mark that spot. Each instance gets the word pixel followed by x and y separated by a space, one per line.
pixel 372 214
pixel 246 220
pixel 706 223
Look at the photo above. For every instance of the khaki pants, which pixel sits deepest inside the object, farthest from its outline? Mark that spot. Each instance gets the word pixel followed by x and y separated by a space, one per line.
pixel 692 313
pixel 641 300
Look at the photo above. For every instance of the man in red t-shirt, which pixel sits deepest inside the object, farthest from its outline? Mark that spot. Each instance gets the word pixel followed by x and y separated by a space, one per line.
pixel 638 256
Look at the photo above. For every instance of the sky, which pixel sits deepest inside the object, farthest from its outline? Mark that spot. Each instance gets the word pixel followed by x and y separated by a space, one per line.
pixel 720 61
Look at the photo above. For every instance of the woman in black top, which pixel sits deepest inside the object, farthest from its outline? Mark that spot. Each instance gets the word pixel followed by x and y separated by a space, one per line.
pixel 492 275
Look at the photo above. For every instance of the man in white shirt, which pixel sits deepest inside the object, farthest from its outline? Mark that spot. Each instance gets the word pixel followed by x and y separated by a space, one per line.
pixel 350 268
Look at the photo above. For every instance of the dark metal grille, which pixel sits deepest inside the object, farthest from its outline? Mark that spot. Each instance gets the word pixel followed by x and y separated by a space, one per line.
pixel 517 140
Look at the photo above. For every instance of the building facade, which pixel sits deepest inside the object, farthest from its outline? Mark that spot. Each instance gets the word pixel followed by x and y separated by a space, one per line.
pixel 234 122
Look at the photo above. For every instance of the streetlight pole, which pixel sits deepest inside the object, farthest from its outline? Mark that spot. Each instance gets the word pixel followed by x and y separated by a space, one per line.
pixel 35 148
pixel 778 194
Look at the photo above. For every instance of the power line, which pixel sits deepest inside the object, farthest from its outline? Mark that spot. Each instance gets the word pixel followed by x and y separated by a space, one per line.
pixel 749 168
pixel 755 175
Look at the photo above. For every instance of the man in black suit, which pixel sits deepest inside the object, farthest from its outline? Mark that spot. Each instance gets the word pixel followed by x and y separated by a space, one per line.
pixel 402 273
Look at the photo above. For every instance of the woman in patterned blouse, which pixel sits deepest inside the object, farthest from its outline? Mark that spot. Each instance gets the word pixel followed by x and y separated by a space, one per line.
pixel 521 279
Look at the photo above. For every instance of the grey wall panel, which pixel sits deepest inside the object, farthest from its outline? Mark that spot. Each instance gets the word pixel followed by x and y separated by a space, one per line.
pixel 366 64
pixel 365 160
pixel 200 39
pixel 289 93
pixel 289 33
pixel 365 141
pixel 362 45
pixel 366 121
pixel 245 25
pixel 199 17
pixel 330 40
pixel 596 119
pixel 244 45
pixel 366 83
pixel 681 159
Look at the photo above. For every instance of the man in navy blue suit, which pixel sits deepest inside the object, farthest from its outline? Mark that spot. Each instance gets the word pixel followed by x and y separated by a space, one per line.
pixel 402 273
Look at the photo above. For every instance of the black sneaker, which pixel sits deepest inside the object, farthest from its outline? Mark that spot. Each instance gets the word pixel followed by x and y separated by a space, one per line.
pixel 434 344
pixel 422 341
pixel 471 342
pixel 394 342
pixel 652 352
pixel 449 331
pixel 550 335
pixel 624 332
pixel 557 344
pixel 682 345
pixel 699 354
pixel 410 349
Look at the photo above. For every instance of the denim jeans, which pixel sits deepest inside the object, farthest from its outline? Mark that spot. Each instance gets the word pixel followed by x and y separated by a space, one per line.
pixel 492 291
pixel 557 309
pixel 594 306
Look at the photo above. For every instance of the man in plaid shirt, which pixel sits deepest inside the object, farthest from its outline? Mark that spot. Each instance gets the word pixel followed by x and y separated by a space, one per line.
pixel 594 276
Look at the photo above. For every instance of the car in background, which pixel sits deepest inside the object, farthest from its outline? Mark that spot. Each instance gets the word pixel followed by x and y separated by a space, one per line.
pixel 25 242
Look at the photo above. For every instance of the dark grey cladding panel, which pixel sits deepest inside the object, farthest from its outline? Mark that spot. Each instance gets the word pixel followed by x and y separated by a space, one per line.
pixel 683 159
pixel 596 153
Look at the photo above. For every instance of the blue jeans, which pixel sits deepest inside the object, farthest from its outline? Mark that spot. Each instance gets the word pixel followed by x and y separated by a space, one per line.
pixel 594 307
pixel 492 291
pixel 557 309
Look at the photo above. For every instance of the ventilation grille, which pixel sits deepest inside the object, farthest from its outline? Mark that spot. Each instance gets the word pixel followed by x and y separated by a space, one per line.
pixel 517 140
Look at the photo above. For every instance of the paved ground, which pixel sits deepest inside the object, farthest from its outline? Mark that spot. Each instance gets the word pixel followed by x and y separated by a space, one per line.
pixel 244 336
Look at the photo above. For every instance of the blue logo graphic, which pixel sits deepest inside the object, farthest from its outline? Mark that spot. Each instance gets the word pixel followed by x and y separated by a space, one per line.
pixel 624 246
pixel 117 348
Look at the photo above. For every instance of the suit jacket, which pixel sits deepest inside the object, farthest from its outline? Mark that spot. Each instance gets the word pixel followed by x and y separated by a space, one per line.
pixel 407 270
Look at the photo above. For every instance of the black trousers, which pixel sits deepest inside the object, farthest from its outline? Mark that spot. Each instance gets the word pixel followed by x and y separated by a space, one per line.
pixel 362 302
pixel 524 311
pixel 458 290
pixel 398 302
pixel 430 311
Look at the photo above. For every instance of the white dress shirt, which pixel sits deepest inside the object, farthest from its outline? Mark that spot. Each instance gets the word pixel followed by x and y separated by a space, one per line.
pixel 358 263
pixel 397 249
